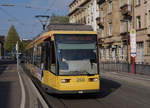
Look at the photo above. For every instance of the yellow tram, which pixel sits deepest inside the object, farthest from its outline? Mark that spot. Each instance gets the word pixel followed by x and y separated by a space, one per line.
pixel 65 60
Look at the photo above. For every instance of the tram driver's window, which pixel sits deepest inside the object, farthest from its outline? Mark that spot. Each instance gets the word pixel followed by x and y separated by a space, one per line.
pixel 52 57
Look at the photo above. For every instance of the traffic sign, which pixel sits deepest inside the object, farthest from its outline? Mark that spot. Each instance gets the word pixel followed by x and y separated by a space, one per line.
pixel 133 42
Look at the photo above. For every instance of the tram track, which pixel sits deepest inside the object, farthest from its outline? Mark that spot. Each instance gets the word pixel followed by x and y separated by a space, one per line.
pixel 61 101
pixel 49 99
pixel 112 95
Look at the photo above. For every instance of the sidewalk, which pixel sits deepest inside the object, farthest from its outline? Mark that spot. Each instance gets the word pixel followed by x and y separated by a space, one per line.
pixel 127 77
pixel 10 90
pixel 130 75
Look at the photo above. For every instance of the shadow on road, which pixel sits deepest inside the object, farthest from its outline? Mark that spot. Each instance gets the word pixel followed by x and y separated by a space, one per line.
pixel 107 87
pixel 5 88
pixel 5 85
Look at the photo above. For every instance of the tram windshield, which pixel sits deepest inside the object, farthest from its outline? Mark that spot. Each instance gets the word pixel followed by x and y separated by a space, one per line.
pixel 77 56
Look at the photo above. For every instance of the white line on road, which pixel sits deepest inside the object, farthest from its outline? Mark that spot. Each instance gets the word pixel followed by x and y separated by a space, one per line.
pixel 44 104
pixel 22 105
pixel 38 95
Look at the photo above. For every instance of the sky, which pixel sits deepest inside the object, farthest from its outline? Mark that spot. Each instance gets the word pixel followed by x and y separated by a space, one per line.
pixel 24 19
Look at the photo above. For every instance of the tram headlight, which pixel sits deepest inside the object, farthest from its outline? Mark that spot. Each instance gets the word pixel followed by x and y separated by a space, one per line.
pixel 65 80
pixel 93 79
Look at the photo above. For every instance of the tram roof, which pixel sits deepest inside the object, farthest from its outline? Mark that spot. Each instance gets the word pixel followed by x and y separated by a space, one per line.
pixel 62 29
pixel 69 27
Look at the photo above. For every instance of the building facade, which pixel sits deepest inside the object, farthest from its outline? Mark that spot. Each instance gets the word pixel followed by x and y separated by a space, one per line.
pixel 147 57
pixel 84 12
pixel 140 24
pixel 117 18
pixel 113 20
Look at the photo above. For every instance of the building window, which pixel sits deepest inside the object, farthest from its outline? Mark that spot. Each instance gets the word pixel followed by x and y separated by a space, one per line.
pixel 110 29
pixel 88 19
pixel 121 3
pixel 107 53
pixel 121 51
pixel 114 54
pixel 138 19
pixel 149 17
pixel 102 53
pixel 110 7
pixel 130 25
pixel 92 18
pixel 129 1
pixel 148 47
pixel 122 27
pixel 138 2
pixel 102 33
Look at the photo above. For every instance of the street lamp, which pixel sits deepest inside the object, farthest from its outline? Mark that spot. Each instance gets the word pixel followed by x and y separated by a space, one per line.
pixel 43 19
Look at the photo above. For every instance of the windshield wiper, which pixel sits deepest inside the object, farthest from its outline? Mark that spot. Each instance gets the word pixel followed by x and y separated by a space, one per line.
pixel 89 74
pixel 81 73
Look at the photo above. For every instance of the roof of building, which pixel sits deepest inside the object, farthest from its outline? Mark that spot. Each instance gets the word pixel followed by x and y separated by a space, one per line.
pixel 72 2
pixel 75 1
pixel 78 7
pixel 70 27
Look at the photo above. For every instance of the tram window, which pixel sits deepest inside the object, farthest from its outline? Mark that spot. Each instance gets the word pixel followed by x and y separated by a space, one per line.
pixel 52 58
pixel 31 59
pixel 37 55
pixel 46 55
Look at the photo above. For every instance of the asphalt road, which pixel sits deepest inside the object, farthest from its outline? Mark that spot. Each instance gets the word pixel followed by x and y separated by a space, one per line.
pixel 116 92
pixel 10 91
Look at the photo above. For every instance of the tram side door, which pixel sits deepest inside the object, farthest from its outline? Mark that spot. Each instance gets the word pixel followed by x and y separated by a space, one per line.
pixel 49 61
pixel 45 61
pixel 52 64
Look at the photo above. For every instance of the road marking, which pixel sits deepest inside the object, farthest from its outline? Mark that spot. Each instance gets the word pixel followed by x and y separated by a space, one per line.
pixel 44 104
pixel 134 77
pixel 22 105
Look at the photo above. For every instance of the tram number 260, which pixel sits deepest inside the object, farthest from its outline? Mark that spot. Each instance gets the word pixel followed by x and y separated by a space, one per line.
pixel 80 79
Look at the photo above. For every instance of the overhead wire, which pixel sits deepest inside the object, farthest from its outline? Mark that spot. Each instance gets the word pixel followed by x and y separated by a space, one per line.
pixel 7 13
pixel 51 6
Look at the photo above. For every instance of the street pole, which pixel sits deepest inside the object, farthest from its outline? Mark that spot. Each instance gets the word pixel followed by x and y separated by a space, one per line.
pixel 43 19
pixel 17 56
pixel 127 47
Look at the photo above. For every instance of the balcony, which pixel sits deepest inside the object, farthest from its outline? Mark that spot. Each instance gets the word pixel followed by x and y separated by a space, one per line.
pixel 100 22
pixel 123 32
pixel 124 36
pixel 126 10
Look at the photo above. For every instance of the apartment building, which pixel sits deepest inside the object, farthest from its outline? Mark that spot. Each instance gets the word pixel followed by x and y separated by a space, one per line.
pixel 84 12
pixel 147 43
pixel 113 20
pixel 140 24
pixel 116 19
pixel 114 24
